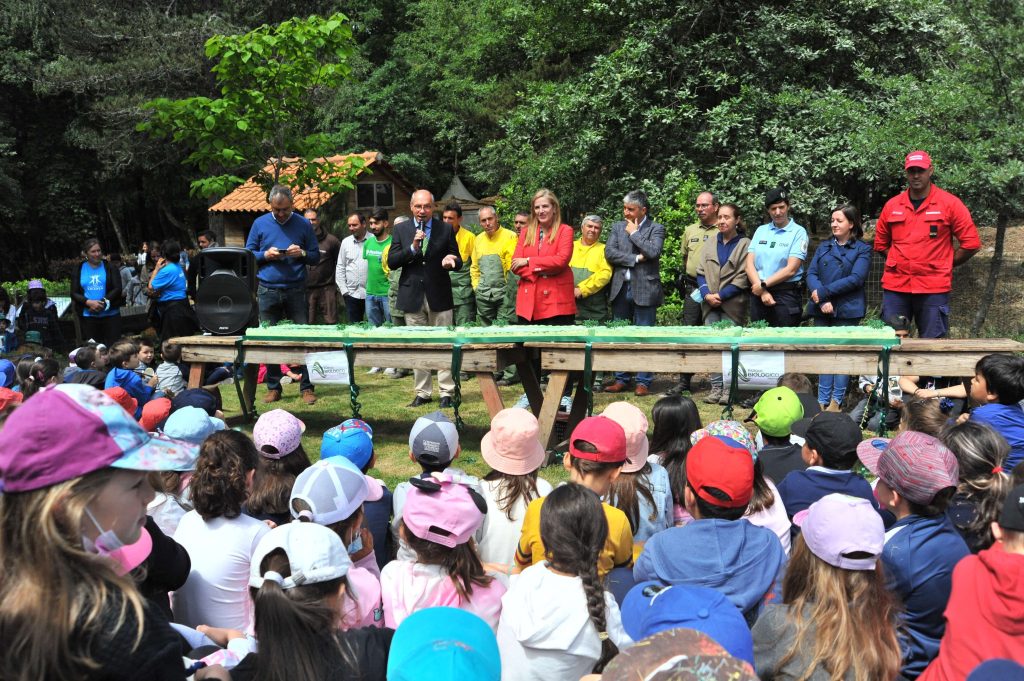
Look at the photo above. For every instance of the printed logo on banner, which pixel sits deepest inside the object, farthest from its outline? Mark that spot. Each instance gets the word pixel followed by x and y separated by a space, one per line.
pixel 756 370
pixel 328 368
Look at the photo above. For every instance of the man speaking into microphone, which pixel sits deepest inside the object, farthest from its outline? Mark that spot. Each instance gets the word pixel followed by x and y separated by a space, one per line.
pixel 425 251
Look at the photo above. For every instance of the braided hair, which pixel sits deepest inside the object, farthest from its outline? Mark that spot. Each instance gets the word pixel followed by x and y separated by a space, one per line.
pixel 574 529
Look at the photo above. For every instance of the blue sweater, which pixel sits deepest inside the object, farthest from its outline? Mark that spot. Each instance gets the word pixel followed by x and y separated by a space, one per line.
pixel 1008 421
pixel 266 232
pixel 838 274
pixel 919 555
pixel 800 489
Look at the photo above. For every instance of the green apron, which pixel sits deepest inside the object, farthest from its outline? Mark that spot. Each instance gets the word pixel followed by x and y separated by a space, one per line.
pixel 593 307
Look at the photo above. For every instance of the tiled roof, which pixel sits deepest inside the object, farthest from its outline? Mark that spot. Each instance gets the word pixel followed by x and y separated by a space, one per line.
pixel 252 198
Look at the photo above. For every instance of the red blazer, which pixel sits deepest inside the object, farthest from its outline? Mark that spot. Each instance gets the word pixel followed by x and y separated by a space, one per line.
pixel 546 285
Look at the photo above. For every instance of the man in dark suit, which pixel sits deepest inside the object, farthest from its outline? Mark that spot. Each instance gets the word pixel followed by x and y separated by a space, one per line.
pixel 634 251
pixel 424 248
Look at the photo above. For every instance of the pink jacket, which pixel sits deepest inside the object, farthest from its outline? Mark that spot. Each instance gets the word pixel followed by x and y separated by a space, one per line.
pixel 407 587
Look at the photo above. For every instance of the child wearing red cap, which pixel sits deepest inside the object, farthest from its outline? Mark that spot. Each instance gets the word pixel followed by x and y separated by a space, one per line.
pixel 748 561
pixel 597 452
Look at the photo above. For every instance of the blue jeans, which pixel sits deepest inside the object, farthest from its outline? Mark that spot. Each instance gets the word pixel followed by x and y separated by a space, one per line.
pixel 283 303
pixel 929 311
pixel 623 307
pixel 833 386
pixel 377 310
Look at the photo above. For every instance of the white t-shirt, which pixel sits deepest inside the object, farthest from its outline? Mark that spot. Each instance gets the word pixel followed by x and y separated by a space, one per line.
pixel 774 518
pixel 498 536
pixel 217 590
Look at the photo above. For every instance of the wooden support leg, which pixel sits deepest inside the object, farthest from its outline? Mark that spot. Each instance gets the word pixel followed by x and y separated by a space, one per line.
pixel 489 391
pixel 579 405
pixel 549 410
pixel 531 385
pixel 195 375
pixel 249 377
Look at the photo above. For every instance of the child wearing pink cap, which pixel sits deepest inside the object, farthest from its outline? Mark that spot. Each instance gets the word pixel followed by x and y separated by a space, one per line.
pixel 439 518
pixel 837 620
pixel 642 490
pixel 514 453
pixel 278 438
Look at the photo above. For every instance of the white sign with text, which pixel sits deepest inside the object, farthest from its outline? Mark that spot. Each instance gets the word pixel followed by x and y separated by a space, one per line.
pixel 328 368
pixel 756 371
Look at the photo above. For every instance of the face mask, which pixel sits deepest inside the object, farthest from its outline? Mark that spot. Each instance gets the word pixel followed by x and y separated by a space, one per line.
pixel 356 546
pixel 106 543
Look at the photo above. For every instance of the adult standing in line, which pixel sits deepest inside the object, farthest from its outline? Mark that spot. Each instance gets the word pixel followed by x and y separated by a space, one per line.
pixel 168 287
pixel 775 264
pixel 541 260
pixel 377 284
pixel 916 229
pixel 283 243
pixel 97 295
pixel 489 270
pixel 835 279
pixel 394 276
pixel 634 250
pixel 590 272
pixel 690 248
pixel 723 283
pixel 426 251
pixel 462 284
pixel 350 274
pixel 323 292
pixel 206 239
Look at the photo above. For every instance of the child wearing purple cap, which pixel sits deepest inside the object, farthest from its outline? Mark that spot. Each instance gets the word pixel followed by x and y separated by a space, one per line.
pixel 917 478
pixel 278 438
pixel 66 510
pixel 441 513
pixel 837 620
pixel 39 314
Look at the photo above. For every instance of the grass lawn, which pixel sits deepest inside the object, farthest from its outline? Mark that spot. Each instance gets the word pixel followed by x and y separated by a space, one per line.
pixel 383 406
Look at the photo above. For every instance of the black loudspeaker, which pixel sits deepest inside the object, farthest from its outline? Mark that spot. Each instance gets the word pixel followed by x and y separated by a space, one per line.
pixel 226 290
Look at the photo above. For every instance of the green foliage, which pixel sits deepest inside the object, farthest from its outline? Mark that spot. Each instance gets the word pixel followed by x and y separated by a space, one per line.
pixel 54 287
pixel 270 82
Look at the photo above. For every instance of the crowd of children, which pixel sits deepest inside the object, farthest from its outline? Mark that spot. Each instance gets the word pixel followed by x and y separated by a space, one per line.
pixel 142 539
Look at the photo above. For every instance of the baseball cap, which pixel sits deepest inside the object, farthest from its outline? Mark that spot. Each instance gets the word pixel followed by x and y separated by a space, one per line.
pixel 9 397
pixel 434 440
pixel 1012 515
pixel 838 525
pixel 997 670
pixel 512 446
pixel 35 284
pixel 352 440
pixel 7 371
pixel 277 433
pixel 724 464
pixel 452 643
pixel 870 450
pixel 650 607
pixel 607 437
pixel 333 489
pixel 69 430
pixel 192 424
pixel 154 413
pixel 442 508
pixel 34 337
pixel 918 466
pixel 634 425
pixel 121 396
pixel 195 397
pixel 734 430
pixel 832 432
pixel 776 411
pixel 917 159
pixel 315 554
pixel 678 654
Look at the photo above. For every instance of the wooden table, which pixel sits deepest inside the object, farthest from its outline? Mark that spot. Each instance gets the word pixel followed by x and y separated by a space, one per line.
pixel 483 360
pixel 913 357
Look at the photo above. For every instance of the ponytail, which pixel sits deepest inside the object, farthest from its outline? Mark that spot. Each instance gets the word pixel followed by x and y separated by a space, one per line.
pixel 39 376
pixel 981 453
pixel 625 492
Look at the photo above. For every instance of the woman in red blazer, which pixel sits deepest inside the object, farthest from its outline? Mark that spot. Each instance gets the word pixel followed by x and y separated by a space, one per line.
pixel 541 260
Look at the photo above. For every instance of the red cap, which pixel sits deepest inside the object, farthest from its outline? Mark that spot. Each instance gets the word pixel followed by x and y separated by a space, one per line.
pixel 723 464
pixel 155 413
pixel 9 397
pixel 917 159
pixel 122 397
pixel 606 435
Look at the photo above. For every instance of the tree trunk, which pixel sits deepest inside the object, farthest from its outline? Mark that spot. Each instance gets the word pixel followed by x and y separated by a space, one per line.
pixel 993 275
pixel 117 230
pixel 189 238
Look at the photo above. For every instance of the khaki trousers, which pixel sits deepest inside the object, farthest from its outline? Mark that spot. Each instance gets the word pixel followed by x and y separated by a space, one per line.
pixel 421 377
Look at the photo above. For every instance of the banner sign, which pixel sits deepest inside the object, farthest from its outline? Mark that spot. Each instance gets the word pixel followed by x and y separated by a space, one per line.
pixel 757 370
pixel 328 368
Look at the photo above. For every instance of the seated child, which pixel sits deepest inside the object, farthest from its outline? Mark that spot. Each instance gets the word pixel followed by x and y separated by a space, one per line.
pixel 147 352
pixel 983 618
pixel 830 452
pixel 8 339
pixel 353 440
pixel 124 360
pixel 557 620
pixel 439 517
pixel 43 372
pixel 597 452
pixel 7 370
pixel 278 438
pixel 748 561
pixel 867 412
pixel 89 369
pixel 775 413
pixel 169 372
pixel 981 453
pixel 514 453
pixel 38 316
pixel 917 477
pixel 836 619
pixel 998 386
pixel 675 417
pixel 642 489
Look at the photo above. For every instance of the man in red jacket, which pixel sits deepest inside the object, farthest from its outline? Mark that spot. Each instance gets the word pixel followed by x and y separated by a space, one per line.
pixel 917 228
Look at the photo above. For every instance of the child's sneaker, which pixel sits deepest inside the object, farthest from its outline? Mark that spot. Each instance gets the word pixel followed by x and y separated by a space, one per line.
pixel 390 371
pixel 374 370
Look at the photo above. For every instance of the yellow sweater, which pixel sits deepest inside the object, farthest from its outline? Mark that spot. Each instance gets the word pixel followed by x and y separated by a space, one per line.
pixel 591 258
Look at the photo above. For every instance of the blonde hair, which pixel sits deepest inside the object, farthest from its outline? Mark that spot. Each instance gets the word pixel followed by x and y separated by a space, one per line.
pixel 533 227
pixel 849 628
pixel 55 597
